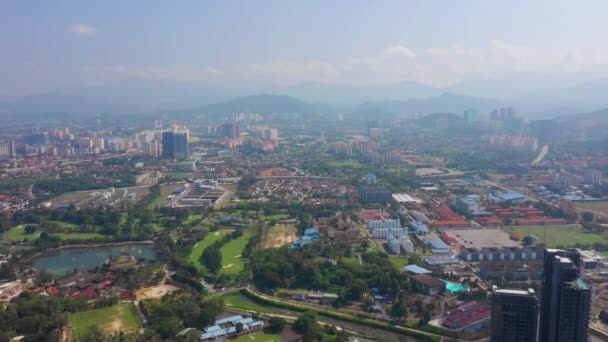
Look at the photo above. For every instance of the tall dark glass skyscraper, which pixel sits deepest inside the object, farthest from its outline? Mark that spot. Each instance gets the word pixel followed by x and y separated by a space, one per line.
pixel 566 302
pixel 515 315
pixel 175 145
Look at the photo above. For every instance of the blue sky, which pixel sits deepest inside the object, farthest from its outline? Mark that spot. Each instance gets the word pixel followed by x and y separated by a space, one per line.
pixel 48 45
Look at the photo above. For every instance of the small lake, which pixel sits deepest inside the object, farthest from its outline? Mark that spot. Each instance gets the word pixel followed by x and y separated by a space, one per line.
pixel 86 258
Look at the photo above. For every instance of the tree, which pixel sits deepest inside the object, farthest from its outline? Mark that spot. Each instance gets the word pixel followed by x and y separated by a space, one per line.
pixel 306 324
pixel 425 318
pixel 399 309
pixel 528 241
pixel 587 216
pixel 604 316
pixel 275 325
pixel 30 229
pixel 212 258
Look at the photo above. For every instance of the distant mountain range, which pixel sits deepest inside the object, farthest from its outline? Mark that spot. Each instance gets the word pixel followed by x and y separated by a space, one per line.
pixel 444 103
pixel 404 99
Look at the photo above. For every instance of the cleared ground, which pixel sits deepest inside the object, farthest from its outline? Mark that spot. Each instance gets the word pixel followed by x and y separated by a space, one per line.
pixel 198 249
pixel 567 236
pixel 599 207
pixel 88 197
pixel 232 262
pixel 259 337
pixel 116 318
pixel 428 171
pixel 154 292
pixel 469 238
pixel 279 235
pixel 165 190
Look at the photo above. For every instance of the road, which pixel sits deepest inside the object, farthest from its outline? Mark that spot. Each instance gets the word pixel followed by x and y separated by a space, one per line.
pixel 543 152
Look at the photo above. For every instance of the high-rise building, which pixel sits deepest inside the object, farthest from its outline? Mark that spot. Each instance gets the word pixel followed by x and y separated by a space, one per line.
pixel 566 301
pixel 175 145
pixel 470 115
pixel 36 139
pixel 515 315
pixel 547 131
pixel 230 130
pixel 7 148
pixel 593 177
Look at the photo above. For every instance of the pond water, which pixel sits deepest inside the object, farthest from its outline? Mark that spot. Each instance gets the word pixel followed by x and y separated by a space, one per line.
pixel 86 258
pixel 453 287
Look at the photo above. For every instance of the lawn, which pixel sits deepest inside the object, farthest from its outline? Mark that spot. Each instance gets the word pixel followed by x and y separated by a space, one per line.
pixel 232 262
pixel 18 234
pixel 259 337
pixel 238 301
pixel 193 218
pixel 276 217
pixel 279 235
pixel 198 249
pixel 119 317
pixel 399 262
pixel 566 236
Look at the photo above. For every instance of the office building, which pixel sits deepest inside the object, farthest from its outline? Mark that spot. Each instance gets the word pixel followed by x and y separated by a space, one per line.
pixel 376 193
pixel 174 146
pixel 566 301
pixel 547 131
pixel 593 177
pixel 515 315
pixel 7 148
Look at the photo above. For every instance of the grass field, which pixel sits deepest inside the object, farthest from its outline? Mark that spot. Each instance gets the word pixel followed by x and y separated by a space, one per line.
pixel 119 317
pixel 398 261
pixel 279 235
pixel 567 236
pixel 238 301
pixel 198 249
pixel 165 190
pixel 276 217
pixel 18 234
pixel 193 218
pixel 353 164
pixel 259 337
pixel 232 262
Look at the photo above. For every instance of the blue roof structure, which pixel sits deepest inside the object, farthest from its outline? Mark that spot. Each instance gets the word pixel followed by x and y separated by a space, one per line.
pixel 311 232
pixel 510 196
pixel 437 244
pixel 419 227
pixel 415 269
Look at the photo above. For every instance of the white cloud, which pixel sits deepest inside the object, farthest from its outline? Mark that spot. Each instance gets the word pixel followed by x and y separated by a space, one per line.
pixel 179 73
pixel 439 66
pixel 84 30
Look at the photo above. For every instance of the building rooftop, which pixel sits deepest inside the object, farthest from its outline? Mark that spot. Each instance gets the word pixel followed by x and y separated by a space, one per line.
pixel 515 292
pixel 416 269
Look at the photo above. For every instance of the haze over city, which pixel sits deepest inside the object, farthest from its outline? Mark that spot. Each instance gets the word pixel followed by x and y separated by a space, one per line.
pixel 543 55
pixel 312 171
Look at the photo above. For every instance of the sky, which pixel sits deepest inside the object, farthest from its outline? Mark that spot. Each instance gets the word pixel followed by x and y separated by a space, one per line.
pixel 53 45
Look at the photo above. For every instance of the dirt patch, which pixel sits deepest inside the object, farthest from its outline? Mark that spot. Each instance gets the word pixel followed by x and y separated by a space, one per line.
pixel 153 292
pixel 280 235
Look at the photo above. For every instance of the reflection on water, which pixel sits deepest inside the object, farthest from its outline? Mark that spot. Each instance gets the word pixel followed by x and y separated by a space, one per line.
pixel 86 258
